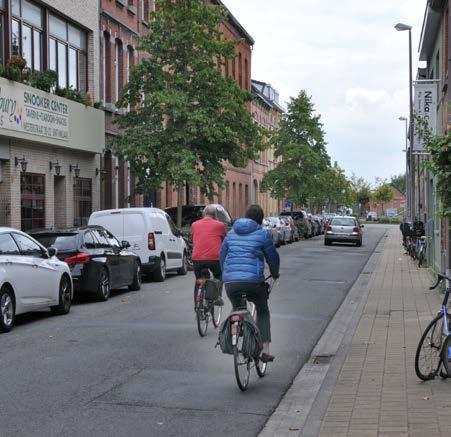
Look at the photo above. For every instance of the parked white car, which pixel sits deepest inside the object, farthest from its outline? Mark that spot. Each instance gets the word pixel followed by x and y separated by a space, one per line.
pixel 31 278
pixel 152 235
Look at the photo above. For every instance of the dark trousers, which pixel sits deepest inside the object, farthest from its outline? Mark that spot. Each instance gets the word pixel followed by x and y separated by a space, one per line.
pixel 213 266
pixel 256 293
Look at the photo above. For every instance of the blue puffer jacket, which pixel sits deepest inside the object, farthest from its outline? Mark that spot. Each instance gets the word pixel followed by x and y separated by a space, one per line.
pixel 244 251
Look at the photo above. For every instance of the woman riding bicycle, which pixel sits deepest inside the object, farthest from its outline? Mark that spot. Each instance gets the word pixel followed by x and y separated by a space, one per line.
pixel 243 255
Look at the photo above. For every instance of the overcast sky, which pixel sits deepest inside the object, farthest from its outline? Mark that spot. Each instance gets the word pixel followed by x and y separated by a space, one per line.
pixel 349 58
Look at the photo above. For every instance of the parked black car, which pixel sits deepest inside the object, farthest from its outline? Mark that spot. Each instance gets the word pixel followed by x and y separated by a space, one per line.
pixel 98 262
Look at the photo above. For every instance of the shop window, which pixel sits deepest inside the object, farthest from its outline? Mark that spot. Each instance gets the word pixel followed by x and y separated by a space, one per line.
pixel 32 200
pixel 82 201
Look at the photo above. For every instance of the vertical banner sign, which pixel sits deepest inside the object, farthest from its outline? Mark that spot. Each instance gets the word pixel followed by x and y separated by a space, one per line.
pixel 425 105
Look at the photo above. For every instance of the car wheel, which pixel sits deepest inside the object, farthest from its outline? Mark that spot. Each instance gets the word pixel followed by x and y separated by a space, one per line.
pixel 137 278
pixel 103 289
pixel 7 309
pixel 159 275
pixel 327 243
pixel 65 297
pixel 184 269
pixel 359 243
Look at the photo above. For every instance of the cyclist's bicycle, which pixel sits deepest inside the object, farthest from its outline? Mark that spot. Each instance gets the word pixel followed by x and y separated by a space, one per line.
pixel 434 349
pixel 207 290
pixel 242 363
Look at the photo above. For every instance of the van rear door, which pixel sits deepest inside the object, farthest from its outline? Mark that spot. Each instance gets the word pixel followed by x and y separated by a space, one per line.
pixel 136 233
pixel 112 221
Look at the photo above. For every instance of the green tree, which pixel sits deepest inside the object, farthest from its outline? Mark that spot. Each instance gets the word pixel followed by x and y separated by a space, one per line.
pixel 399 181
pixel 186 119
pixel 300 144
pixel 383 193
pixel 361 190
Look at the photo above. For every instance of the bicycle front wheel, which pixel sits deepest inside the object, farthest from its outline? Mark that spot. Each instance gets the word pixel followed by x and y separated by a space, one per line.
pixel 202 316
pixel 446 355
pixel 242 365
pixel 428 355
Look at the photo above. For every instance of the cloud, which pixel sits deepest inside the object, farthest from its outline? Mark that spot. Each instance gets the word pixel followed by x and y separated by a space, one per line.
pixel 348 57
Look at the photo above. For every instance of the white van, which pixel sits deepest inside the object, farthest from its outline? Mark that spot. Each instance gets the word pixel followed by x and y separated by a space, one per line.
pixel 152 236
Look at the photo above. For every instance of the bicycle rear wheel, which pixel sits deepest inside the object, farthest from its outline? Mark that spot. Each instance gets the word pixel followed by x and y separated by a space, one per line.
pixel 202 317
pixel 260 366
pixel 216 313
pixel 242 365
pixel 428 355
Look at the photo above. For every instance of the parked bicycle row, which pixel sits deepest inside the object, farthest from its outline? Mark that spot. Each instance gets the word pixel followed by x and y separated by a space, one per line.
pixel 415 240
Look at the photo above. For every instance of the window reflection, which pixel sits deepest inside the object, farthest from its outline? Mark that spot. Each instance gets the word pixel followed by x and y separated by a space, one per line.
pixel 15 38
pixel 37 49
pixel 26 45
pixel 73 68
pixel 62 75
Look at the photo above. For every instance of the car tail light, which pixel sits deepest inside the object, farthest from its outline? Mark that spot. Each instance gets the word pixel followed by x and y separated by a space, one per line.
pixel 356 229
pixel 329 228
pixel 151 241
pixel 79 258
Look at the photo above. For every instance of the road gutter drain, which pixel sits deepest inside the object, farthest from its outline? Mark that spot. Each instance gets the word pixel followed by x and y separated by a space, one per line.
pixel 322 359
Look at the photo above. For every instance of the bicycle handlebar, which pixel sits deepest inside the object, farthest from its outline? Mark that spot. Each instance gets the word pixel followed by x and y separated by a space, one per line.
pixel 440 279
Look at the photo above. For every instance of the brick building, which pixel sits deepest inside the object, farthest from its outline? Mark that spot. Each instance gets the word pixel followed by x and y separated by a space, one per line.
pixel 121 22
pixel 49 146
pixel 398 204
pixel 266 112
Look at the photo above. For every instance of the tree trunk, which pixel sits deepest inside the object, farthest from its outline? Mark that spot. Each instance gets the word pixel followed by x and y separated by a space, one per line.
pixel 179 205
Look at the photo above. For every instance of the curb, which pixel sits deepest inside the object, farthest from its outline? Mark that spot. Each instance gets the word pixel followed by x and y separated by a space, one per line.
pixel 313 385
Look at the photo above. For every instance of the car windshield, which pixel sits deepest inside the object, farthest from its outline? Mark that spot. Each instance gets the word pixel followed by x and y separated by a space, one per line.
pixel 343 221
pixel 63 242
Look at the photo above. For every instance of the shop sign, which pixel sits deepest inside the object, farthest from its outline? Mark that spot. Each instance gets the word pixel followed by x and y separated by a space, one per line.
pixel 425 106
pixel 33 112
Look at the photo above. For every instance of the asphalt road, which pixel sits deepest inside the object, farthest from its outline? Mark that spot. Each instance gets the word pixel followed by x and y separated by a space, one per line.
pixel 136 365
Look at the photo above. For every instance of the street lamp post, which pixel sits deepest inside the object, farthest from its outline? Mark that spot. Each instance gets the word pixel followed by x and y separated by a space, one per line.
pixel 401 27
pixel 407 209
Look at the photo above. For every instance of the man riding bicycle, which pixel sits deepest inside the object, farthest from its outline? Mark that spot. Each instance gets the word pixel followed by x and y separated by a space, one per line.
pixel 208 234
pixel 243 255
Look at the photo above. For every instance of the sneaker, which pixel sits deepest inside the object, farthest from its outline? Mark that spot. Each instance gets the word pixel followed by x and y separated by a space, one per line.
pixel 219 302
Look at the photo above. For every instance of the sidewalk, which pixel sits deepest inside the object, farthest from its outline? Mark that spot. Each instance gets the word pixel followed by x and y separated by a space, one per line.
pixel 374 391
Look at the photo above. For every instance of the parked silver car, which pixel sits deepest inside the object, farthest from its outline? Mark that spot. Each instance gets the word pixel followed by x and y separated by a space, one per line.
pixel 282 228
pixel 269 226
pixel 343 229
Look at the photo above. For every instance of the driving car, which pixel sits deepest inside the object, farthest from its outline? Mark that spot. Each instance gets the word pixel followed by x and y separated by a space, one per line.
pixel 98 262
pixel 31 278
pixel 343 229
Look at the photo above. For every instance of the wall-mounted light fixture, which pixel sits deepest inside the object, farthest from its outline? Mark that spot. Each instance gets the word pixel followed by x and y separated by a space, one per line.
pixel 76 170
pixel 23 163
pixel 56 165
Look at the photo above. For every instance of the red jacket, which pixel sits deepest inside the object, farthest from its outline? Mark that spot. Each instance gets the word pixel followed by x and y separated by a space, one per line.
pixel 208 235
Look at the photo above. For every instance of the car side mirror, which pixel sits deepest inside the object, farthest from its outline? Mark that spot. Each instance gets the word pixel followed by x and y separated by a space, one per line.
pixel 125 244
pixel 52 251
